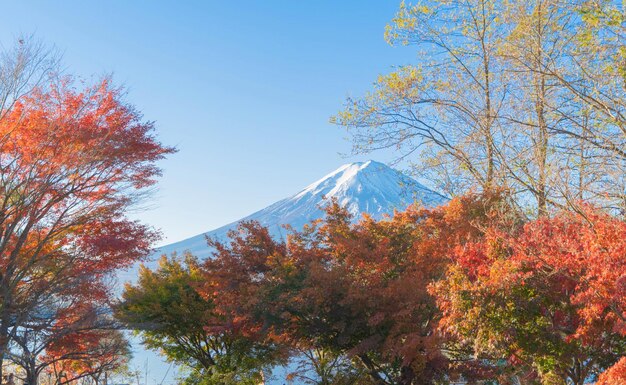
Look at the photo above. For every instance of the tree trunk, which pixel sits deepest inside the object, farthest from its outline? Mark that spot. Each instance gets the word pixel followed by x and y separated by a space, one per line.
pixel 4 339
pixel 541 152
pixel 371 370
pixel 32 377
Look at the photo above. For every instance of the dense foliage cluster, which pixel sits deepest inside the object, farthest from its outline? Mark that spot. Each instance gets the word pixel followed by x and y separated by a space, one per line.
pixel 73 159
pixel 467 291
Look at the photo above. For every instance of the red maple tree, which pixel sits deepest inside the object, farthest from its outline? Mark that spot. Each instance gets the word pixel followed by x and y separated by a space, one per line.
pixel 72 161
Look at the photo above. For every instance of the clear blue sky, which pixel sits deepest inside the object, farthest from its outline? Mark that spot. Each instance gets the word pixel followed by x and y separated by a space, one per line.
pixel 244 89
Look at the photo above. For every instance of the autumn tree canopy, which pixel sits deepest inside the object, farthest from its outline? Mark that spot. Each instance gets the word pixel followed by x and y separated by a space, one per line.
pixel 527 95
pixel 469 290
pixel 73 159
pixel 359 290
pixel 173 317
pixel 549 296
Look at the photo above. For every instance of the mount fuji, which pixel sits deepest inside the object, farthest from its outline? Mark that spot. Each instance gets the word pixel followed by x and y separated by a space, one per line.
pixel 362 187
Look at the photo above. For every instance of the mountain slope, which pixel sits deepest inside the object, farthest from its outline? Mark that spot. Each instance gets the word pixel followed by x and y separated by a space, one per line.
pixel 363 187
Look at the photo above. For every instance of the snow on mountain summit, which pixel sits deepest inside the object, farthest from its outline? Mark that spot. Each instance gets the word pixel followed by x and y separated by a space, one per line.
pixel 370 187
pixel 362 187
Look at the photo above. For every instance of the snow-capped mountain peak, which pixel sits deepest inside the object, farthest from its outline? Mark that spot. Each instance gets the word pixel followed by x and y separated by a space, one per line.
pixel 331 184
pixel 362 187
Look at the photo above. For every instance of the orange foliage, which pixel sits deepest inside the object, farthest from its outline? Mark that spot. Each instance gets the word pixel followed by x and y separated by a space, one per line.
pixel 615 375
pixel 84 342
pixel 71 162
pixel 588 249
pixel 357 288
pixel 547 295
pixel 463 289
